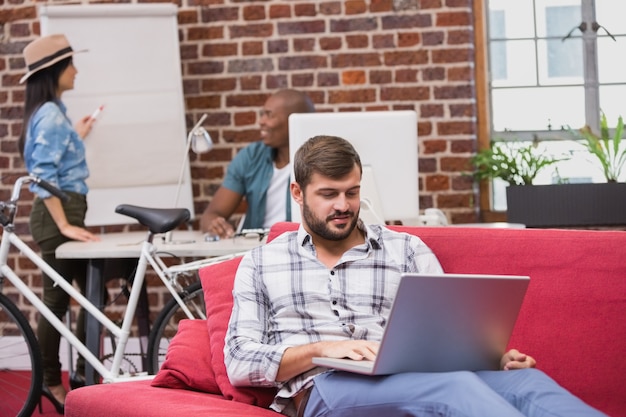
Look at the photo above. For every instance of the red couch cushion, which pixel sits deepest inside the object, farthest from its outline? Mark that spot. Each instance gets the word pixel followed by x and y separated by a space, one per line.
pixel 141 399
pixel 217 283
pixel 188 360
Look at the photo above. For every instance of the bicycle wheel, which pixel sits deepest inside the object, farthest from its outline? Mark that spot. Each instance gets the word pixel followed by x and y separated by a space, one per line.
pixel 166 324
pixel 21 373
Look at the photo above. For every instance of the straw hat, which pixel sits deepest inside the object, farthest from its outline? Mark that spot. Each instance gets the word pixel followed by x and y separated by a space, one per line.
pixel 45 52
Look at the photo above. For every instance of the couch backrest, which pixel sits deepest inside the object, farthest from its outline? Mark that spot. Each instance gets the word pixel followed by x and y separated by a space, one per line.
pixel 572 319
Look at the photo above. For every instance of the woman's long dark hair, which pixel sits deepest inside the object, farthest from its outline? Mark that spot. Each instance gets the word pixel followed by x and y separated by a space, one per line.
pixel 41 87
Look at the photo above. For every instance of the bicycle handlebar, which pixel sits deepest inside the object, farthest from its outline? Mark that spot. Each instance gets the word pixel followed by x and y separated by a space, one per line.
pixel 9 208
pixel 43 184
pixel 51 189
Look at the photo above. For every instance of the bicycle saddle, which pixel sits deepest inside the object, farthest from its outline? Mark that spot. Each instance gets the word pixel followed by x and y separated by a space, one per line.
pixel 156 219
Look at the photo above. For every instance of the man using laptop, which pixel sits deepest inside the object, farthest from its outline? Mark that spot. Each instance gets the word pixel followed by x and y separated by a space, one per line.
pixel 327 289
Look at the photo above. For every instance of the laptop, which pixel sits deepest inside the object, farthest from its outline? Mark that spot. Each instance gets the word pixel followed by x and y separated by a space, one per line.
pixel 444 323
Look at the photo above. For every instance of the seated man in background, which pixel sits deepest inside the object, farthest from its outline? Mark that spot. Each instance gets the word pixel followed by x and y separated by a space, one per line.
pixel 327 290
pixel 260 172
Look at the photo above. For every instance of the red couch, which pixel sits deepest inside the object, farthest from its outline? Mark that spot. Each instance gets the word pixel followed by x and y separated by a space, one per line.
pixel 572 322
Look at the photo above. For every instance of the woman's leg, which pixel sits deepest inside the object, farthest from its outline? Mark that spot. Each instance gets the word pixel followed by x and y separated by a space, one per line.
pixel 58 301
pixel 48 237
pixel 49 338
pixel 79 272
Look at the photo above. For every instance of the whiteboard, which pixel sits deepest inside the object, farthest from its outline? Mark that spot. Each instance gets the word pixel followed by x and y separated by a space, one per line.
pixel 387 145
pixel 136 149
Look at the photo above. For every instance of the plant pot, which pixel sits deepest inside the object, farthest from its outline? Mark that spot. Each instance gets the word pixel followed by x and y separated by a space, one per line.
pixel 558 205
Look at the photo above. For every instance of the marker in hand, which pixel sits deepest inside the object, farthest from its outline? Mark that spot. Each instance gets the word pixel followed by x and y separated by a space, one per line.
pixel 97 112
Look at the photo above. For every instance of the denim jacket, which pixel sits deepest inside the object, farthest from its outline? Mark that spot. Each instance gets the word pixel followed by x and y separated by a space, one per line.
pixel 54 152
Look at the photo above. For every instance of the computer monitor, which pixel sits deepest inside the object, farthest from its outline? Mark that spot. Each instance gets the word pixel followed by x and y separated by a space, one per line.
pixel 387 144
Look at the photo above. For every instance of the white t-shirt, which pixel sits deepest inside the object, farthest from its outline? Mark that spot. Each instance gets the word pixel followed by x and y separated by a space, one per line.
pixel 276 203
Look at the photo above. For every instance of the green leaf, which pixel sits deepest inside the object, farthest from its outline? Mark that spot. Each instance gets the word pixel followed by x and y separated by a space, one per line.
pixel 605 148
pixel 512 162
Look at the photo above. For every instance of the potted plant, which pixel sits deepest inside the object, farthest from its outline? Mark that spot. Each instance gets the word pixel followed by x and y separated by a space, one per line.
pixel 556 205
pixel 513 162
pixel 607 150
pixel 518 164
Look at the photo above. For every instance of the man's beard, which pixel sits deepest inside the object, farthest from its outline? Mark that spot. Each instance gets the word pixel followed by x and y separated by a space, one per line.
pixel 320 227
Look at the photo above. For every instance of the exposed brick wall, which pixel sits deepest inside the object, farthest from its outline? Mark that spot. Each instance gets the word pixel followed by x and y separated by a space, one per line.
pixel 347 55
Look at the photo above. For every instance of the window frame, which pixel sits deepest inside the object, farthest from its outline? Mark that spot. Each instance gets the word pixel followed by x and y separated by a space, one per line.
pixel 483 94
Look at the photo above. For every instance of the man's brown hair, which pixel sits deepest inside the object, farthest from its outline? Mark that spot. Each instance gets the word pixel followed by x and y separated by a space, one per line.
pixel 330 156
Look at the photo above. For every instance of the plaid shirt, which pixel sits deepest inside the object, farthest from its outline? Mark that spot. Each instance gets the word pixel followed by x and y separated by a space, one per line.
pixel 284 296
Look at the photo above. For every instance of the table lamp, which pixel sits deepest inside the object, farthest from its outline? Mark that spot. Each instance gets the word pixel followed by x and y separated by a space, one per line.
pixel 199 141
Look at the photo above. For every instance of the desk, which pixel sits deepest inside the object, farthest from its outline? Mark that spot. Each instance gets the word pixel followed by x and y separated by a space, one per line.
pixel 493 225
pixel 128 246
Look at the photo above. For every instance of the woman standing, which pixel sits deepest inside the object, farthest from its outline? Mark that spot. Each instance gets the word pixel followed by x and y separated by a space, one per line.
pixel 53 150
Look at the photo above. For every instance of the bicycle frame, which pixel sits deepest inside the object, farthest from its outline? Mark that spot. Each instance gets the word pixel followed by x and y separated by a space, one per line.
pixel 122 333
pixel 148 255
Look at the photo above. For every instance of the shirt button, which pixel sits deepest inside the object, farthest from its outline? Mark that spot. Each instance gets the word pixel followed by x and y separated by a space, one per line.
pixel 336 312
pixel 334 302
pixel 332 272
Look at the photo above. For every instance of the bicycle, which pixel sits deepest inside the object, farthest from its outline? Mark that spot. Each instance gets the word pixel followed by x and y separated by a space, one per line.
pixel 20 357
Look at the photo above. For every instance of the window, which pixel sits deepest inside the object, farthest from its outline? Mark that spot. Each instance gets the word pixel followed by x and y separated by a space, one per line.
pixel 554 64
